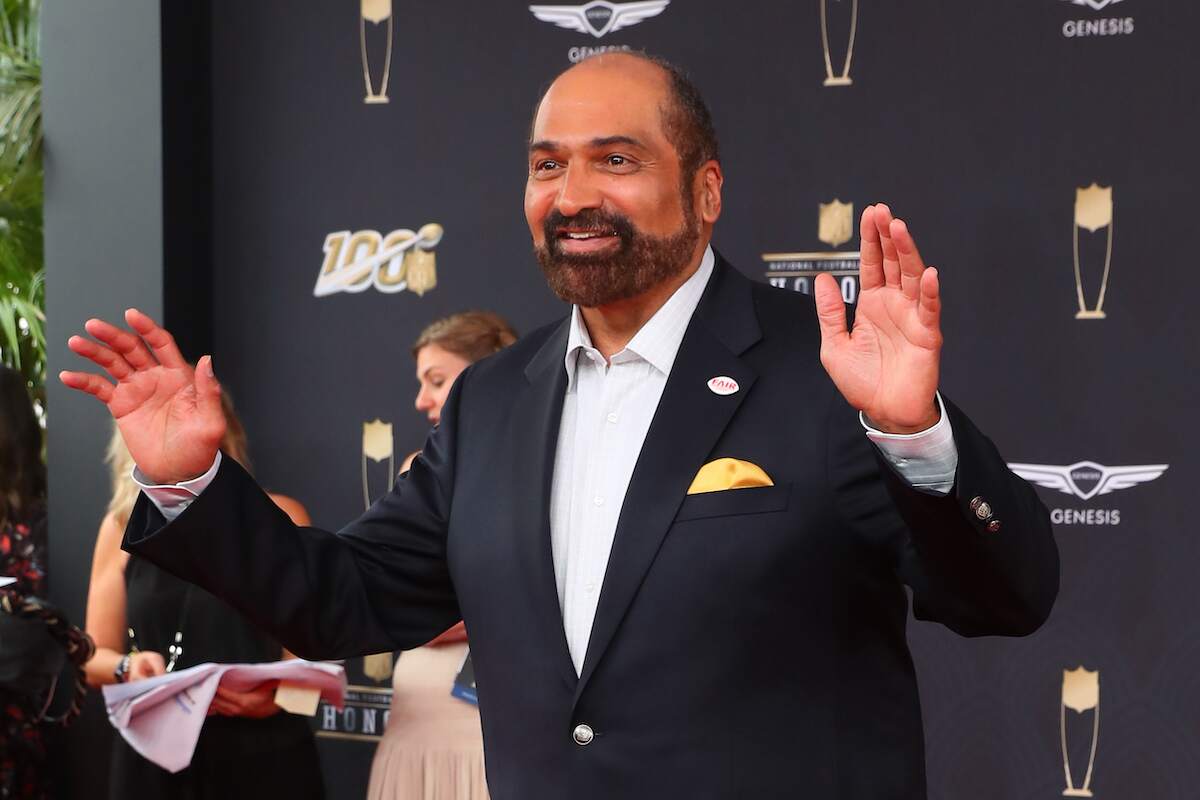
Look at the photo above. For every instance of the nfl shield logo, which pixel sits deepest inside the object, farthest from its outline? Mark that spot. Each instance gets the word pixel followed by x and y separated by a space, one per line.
pixel 835 223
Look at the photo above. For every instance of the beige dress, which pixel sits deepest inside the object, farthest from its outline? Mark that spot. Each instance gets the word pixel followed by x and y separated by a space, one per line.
pixel 432 748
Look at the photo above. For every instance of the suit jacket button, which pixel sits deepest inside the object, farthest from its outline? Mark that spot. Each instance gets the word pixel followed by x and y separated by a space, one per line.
pixel 976 502
pixel 583 735
pixel 993 526
pixel 984 511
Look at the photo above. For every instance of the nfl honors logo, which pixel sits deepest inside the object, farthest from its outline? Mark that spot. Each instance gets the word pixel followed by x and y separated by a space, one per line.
pixel 797 271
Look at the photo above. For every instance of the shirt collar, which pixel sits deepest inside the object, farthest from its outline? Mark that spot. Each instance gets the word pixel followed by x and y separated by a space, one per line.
pixel 658 341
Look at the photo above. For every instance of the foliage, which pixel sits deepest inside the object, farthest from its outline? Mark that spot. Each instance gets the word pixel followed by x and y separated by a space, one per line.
pixel 22 266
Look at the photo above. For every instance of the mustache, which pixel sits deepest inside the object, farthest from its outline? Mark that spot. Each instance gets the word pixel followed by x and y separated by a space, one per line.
pixel 555 223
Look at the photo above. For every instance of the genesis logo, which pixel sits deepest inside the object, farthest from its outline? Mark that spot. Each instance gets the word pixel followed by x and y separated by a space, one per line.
pixel 600 17
pixel 1097 26
pixel 1085 480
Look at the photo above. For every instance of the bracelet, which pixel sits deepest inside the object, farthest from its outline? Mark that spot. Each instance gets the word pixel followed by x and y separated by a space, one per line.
pixel 121 673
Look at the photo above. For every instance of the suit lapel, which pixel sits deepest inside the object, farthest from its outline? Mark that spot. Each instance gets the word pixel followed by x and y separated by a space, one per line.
pixel 536 423
pixel 689 420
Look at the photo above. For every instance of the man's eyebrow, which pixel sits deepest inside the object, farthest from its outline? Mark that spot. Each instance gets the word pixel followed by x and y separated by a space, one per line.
pixel 601 141
pixel 605 141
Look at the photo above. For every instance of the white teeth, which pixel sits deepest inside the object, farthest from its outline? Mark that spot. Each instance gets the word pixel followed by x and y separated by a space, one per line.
pixel 587 235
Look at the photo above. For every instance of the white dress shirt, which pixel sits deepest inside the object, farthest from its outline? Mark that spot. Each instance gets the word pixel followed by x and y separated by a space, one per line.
pixel 606 414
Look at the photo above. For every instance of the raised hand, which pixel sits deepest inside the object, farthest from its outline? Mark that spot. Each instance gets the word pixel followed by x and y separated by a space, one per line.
pixel 887 366
pixel 168 413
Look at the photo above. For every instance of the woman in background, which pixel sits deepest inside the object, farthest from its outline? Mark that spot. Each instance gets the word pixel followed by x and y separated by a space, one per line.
pixel 432 748
pixel 146 622
pixel 23 766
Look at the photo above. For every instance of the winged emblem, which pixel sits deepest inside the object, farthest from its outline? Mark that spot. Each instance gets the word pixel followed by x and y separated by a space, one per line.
pixel 600 17
pixel 1097 478
pixel 1095 4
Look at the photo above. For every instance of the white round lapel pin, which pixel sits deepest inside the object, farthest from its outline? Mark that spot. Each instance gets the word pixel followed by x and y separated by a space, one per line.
pixel 723 385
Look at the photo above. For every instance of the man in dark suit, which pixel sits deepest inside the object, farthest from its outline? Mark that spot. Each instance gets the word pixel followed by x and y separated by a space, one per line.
pixel 681 558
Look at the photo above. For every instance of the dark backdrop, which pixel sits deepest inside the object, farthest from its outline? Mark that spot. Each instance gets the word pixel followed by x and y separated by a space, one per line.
pixel 978 122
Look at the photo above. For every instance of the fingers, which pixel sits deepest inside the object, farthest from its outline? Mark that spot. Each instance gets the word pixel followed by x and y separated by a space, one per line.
pixel 220 705
pixel 160 341
pixel 103 357
pixel 831 311
pixel 87 382
pixel 124 343
pixel 870 274
pixel 148 664
pixel 911 265
pixel 929 312
pixel 891 261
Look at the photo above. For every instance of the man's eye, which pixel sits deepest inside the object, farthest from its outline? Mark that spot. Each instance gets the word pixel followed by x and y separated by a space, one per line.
pixel 545 165
pixel 617 161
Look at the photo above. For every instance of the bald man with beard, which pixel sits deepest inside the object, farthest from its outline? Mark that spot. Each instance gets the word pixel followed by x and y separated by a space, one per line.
pixel 675 585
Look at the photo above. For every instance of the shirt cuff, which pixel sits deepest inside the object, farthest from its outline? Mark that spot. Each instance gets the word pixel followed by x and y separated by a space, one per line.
pixel 172 499
pixel 928 459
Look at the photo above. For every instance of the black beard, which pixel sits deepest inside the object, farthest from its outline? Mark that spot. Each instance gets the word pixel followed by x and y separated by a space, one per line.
pixel 639 263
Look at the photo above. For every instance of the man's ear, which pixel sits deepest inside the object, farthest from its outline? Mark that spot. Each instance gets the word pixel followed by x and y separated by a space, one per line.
pixel 709 180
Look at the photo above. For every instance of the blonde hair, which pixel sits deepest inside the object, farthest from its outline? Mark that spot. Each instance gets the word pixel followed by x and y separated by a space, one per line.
pixel 120 463
pixel 471 335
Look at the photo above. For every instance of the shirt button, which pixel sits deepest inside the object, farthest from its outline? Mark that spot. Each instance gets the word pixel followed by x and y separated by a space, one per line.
pixel 583 735
pixel 598 500
pixel 589 587
pixel 612 418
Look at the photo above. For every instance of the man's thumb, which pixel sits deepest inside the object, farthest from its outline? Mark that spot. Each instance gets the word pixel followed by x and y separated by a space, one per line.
pixel 831 311
pixel 208 389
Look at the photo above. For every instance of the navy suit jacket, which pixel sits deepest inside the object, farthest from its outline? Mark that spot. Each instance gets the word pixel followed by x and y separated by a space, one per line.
pixel 748 643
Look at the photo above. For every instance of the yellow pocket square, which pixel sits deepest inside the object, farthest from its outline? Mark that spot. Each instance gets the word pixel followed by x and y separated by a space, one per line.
pixel 728 473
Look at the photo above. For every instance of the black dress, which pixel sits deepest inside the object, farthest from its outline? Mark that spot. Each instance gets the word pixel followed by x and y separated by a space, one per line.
pixel 235 757
pixel 24 767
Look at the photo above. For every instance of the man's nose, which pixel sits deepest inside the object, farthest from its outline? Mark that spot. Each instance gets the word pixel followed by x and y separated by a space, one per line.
pixel 577 192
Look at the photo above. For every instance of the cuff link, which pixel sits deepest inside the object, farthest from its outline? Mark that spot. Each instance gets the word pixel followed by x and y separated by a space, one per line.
pixel 981 508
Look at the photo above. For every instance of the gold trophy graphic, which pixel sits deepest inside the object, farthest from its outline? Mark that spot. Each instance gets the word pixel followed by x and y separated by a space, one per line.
pixel 1080 693
pixel 843 79
pixel 377 445
pixel 375 12
pixel 1093 211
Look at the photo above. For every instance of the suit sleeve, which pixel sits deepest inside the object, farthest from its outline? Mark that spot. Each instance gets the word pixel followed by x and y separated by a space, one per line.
pixel 974 581
pixel 381 583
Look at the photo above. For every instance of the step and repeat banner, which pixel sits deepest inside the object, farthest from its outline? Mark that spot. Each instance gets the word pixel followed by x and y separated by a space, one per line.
pixel 368 174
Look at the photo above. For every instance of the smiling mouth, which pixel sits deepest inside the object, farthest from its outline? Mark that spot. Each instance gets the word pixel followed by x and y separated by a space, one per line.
pixel 588 235
pixel 585 242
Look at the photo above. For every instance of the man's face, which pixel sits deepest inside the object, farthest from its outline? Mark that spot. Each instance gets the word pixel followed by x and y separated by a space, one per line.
pixel 603 199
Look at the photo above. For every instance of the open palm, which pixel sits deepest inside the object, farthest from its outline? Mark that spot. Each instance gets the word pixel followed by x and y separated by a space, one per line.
pixel 169 414
pixel 887 366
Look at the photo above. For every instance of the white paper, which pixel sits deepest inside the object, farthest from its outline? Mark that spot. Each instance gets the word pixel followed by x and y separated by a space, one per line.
pixel 161 717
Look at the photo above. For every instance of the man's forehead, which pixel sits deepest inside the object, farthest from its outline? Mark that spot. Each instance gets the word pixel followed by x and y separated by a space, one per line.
pixel 595 99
